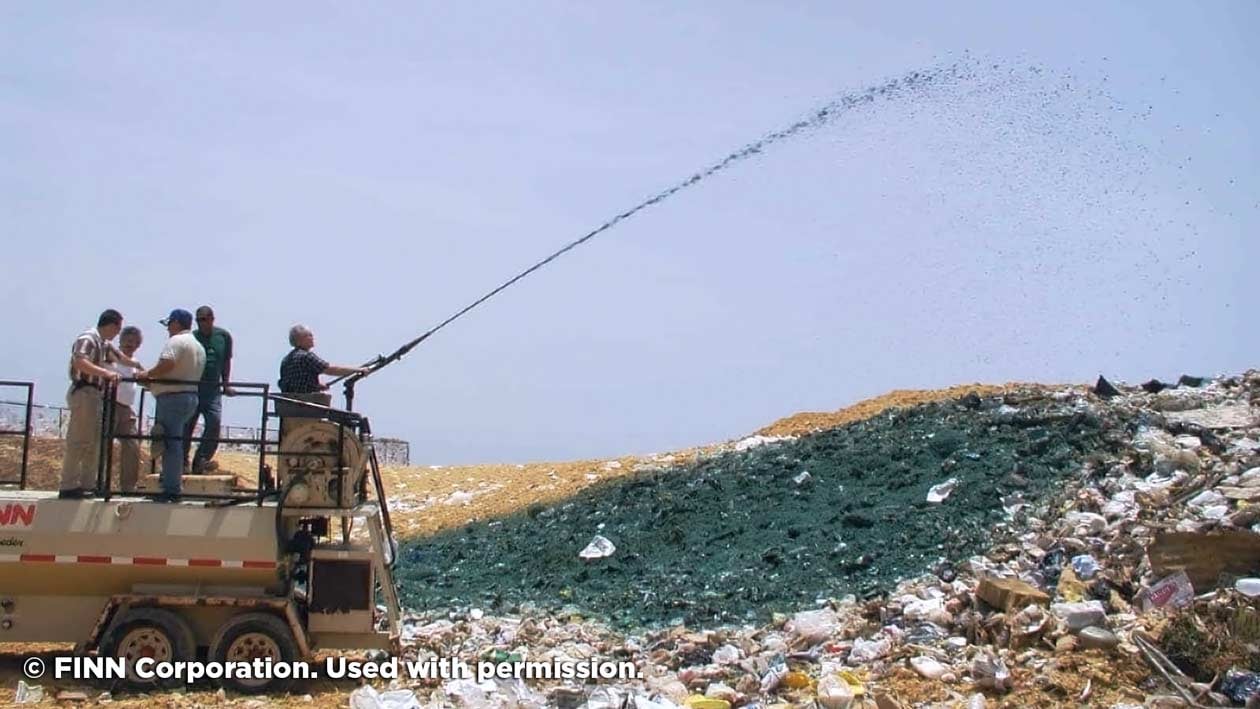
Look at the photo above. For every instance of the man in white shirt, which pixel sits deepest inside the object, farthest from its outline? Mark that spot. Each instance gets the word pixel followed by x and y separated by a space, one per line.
pixel 125 410
pixel 181 363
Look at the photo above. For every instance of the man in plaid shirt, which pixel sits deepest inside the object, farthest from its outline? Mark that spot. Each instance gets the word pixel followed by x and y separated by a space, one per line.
pixel 90 378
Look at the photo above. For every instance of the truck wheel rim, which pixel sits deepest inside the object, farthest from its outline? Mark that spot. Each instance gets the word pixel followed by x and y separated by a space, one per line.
pixel 145 642
pixel 251 646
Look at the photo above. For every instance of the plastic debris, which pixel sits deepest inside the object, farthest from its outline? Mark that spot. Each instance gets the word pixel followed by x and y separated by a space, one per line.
pixel 28 693
pixel 599 548
pixel 1249 587
pixel 774 675
pixel 812 627
pixel 1173 591
pixel 726 655
pixel 699 701
pixel 1240 685
pixel 466 693
pixel 1086 523
pixel 991 672
pixel 758 441
pixel 928 667
pixel 939 492
pixel 1080 615
pixel 869 650
pixel 1085 566
pixel 834 692
pixel 366 697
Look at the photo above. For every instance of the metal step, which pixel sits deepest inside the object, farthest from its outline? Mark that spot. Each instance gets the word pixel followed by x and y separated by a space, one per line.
pixel 194 484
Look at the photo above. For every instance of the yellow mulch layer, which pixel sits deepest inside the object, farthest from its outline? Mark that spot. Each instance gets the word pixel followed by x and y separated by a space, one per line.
pixel 811 421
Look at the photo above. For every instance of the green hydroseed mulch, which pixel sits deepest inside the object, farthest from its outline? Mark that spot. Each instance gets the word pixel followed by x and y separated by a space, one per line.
pixel 733 538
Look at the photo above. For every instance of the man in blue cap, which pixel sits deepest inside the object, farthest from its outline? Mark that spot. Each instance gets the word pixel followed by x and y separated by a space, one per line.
pixel 181 363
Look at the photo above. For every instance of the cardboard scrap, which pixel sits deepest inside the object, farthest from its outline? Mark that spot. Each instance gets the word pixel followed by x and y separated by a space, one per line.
pixel 1216 417
pixel 1204 556
pixel 1010 594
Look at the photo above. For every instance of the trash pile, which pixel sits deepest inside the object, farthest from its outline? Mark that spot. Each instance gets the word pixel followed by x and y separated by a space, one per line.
pixel 1052 547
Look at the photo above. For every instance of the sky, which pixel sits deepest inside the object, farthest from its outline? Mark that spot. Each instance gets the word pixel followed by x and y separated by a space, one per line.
pixel 1081 198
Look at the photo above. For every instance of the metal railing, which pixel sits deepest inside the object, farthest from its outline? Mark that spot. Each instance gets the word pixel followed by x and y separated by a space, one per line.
pixel 24 431
pixel 109 434
pixel 51 421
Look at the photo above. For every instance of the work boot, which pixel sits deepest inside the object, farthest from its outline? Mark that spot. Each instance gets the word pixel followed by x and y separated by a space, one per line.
pixel 210 466
pixel 198 467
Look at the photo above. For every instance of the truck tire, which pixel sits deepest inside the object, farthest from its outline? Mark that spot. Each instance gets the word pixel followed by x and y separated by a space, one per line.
pixel 254 635
pixel 149 632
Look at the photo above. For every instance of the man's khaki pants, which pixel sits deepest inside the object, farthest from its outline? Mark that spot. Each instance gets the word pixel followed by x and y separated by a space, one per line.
pixel 129 458
pixel 83 439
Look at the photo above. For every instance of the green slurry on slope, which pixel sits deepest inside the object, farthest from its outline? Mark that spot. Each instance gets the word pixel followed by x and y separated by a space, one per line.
pixel 735 537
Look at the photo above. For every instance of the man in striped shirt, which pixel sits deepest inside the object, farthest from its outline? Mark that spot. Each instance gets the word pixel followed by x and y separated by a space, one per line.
pixel 90 377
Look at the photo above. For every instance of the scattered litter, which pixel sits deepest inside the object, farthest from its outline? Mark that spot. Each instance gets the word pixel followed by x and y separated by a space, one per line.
pixel 812 627
pixel 1080 615
pixel 758 441
pixel 1249 587
pixel 928 667
pixel 1174 591
pixel 365 697
pixel 991 672
pixel 599 548
pixel 1218 417
pixel 869 650
pixel 459 497
pixel 28 694
pixel 1085 566
pixel 1240 685
pixel 938 493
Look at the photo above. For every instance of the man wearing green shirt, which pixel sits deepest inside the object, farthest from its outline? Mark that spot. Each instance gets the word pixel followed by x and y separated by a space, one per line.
pixel 214 384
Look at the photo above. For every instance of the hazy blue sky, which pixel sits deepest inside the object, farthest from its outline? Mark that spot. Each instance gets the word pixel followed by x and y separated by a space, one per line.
pixel 367 170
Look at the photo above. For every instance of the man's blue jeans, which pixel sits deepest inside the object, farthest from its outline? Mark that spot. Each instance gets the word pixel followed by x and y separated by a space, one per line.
pixel 209 405
pixel 173 412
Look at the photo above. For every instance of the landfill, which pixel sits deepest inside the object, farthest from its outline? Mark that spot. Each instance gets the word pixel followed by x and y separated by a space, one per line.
pixel 1008 547
pixel 1090 549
